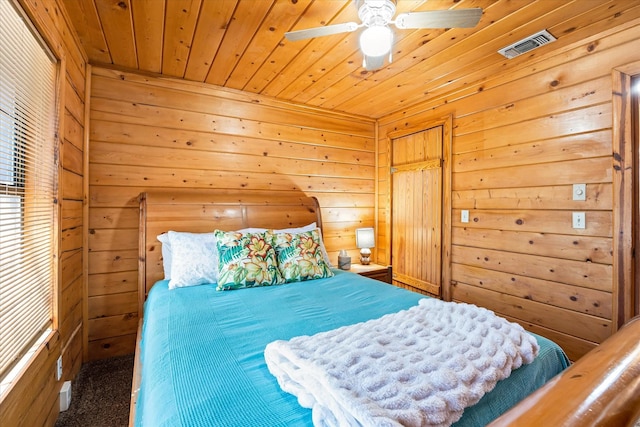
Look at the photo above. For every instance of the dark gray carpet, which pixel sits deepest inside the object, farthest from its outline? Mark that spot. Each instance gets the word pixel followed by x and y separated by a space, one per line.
pixel 100 394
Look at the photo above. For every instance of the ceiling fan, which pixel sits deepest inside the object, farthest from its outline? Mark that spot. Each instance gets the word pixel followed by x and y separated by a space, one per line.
pixel 376 39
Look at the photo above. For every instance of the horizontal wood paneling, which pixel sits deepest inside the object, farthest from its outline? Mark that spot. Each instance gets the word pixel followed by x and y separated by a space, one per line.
pixel 577 248
pixel 533 220
pixel 566 148
pixel 579 273
pixel 115 154
pixel 160 134
pixel 595 170
pixel 131 175
pixel 577 298
pixel 520 141
pixel 105 218
pixel 113 261
pixel 111 347
pixel 112 305
pixel 588 327
pixel 71 214
pixel 598 197
pixel 189 99
pixel 113 283
pixel 205 142
pixel 113 326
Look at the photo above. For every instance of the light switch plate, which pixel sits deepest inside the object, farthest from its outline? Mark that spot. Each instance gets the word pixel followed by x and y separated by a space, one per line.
pixel 579 220
pixel 579 191
pixel 464 216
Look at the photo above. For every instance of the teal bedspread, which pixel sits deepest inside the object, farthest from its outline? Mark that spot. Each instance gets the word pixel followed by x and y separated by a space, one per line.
pixel 202 351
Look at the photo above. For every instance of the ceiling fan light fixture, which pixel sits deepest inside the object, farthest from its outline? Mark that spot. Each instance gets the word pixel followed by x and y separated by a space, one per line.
pixel 371 63
pixel 376 40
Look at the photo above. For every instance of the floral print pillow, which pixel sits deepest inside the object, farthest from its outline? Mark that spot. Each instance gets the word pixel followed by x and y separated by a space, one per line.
pixel 300 256
pixel 246 260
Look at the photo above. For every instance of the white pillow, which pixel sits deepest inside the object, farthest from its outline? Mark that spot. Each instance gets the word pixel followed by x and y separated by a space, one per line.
pixel 194 259
pixel 252 230
pixel 294 230
pixel 325 255
pixel 166 254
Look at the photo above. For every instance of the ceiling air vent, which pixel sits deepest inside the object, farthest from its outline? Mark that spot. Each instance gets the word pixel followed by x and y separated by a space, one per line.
pixel 525 45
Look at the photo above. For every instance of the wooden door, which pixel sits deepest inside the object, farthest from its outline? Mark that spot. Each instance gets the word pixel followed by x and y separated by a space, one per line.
pixel 416 215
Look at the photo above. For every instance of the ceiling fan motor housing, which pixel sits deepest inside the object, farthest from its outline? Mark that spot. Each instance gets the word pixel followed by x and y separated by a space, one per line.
pixel 375 12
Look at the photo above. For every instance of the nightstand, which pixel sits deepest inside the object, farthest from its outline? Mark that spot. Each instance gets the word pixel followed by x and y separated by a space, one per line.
pixel 373 271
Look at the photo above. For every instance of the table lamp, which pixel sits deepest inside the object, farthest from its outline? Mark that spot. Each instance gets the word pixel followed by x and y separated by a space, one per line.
pixel 365 240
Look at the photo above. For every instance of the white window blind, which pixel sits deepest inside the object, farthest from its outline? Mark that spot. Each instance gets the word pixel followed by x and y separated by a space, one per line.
pixel 28 176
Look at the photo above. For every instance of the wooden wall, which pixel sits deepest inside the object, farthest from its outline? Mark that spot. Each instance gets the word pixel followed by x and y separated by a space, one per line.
pixel 520 141
pixel 157 133
pixel 33 400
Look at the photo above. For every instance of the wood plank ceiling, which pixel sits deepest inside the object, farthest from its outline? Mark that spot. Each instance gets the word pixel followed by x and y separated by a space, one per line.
pixel 240 44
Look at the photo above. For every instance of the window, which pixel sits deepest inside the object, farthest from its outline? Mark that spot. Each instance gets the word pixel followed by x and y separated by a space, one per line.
pixel 28 177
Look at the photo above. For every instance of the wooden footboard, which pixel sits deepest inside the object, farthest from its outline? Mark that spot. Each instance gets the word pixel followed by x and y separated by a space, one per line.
pixel 600 389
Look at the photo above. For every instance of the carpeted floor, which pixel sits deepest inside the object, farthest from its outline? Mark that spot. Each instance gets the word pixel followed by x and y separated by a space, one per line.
pixel 100 394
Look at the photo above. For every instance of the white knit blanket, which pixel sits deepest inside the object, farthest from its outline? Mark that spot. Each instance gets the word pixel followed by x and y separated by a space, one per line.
pixel 416 367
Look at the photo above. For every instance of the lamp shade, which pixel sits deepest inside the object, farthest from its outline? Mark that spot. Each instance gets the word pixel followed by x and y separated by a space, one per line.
pixel 365 237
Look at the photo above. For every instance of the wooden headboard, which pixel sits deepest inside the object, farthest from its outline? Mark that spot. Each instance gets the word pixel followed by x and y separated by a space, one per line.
pixel 204 211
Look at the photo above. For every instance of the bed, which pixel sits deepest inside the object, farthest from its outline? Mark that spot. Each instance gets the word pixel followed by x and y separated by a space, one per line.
pixel 200 354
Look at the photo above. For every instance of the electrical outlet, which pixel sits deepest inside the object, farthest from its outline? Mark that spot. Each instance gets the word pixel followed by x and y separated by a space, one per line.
pixel 464 216
pixel 59 368
pixel 65 396
pixel 579 220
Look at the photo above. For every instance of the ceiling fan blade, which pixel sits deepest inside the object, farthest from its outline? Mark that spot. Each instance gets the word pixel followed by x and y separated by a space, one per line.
pixel 458 18
pixel 328 30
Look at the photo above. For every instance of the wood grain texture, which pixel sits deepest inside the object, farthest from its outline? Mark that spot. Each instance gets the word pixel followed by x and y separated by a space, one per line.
pixel 524 131
pixel 240 44
pixel 116 20
pixel 149 19
pixel 519 144
pixel 626 291
pixel 417 194
pixel 168 135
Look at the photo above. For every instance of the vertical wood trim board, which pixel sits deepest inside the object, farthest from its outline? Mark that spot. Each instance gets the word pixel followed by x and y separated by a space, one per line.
pixel 150 133
pixel 85 218
pixel 625 168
